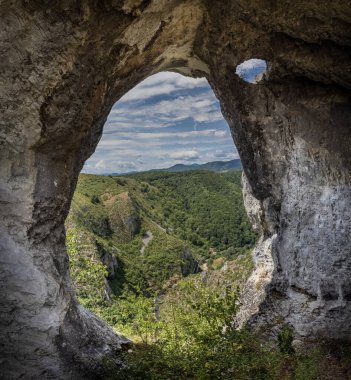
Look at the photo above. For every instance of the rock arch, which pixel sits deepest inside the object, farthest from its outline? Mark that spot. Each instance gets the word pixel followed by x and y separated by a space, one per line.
pixel 63 66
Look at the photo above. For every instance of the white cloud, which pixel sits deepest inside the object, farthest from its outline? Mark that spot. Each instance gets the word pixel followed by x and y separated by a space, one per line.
pixel 147 92
pixel 185 155
pixel 202 108
pixel 142 132
pixel 251 64
pixel 220 133
pixel 112 166
pixel 100 164
pixel 249 69
pixel 162 84
pixel 152 136
pixel 176 79
pixel 222 155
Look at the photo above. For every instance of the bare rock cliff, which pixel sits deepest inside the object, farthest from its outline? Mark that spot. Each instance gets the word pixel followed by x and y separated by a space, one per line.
pixel 64 64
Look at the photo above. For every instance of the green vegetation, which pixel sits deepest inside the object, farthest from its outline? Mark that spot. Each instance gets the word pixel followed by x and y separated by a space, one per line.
pixel 195 218
pixel 87 271
pixel 161 258
pixel 204 208
pixel 285 339
pixel 193 338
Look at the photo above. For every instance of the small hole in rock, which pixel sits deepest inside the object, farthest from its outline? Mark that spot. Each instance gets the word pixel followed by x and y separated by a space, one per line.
pixel 252 70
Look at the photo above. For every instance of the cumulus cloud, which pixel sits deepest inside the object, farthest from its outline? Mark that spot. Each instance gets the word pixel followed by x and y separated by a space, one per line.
pixel 226 154
pixel 162 84
pixel 248 70
pixel 109 166
pixel 202 108
pixel 185 155
pixel 166 119
pixel 220 133
pixel 151 136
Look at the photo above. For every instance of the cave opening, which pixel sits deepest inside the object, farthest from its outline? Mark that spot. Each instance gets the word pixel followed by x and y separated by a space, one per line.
pixel 65 65
pixel 251 70
pixel 167 119
pixel 159 204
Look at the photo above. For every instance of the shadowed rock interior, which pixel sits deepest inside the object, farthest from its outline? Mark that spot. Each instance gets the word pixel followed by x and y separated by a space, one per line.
pixel 64 65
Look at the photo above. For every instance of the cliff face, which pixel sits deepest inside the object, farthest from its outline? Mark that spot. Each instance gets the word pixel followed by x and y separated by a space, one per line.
pixel 64 66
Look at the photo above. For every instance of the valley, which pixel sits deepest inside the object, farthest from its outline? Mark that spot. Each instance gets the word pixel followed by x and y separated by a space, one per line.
pixel 151 229
pixel 162 257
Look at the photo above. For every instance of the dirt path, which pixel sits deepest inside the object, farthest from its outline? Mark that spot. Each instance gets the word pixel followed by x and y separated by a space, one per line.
pixel 147 237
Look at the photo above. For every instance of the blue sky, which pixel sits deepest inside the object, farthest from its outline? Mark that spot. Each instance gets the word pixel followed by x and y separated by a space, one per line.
pixel 165 120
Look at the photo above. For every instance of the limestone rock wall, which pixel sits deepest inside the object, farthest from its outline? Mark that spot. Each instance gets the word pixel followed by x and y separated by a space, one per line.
pixel 293 133
pixel 65 64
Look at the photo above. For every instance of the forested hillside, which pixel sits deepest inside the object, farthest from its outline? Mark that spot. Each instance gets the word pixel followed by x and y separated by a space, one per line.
pixel 151 227
pixel 203 208
pixel 214 166
pixel 161 257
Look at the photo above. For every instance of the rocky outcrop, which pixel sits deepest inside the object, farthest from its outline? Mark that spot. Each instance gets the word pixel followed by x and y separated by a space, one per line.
pixel 109 259
pixel 99 224
pixel 190 265
pixel 64 65
pixel 254 292
pixel 124 218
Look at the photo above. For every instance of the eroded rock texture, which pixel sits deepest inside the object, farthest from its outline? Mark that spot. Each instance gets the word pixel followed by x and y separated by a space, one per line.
pixel 64 64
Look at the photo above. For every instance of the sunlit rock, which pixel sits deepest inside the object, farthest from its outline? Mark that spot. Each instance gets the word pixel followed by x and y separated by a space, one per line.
pixel 65 64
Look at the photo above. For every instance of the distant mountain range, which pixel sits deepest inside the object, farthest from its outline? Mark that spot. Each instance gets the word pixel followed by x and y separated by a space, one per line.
pixel 214 166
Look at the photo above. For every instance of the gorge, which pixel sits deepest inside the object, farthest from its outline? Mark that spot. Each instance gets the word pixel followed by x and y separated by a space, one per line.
pixel 64 65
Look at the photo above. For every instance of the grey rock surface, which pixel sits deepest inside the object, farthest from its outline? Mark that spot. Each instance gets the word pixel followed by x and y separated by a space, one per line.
pixel 124 221
pixel 65 64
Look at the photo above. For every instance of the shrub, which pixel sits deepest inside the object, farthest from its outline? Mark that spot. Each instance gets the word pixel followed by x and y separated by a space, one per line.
pixel 285 339
pixel 192 337
pixel 95 199
pixel 88 274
